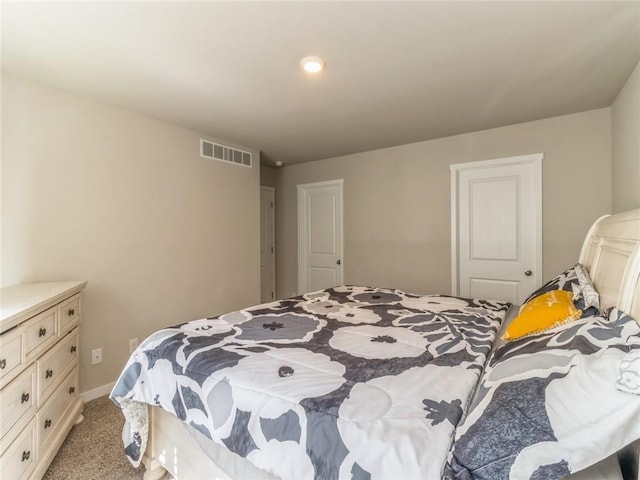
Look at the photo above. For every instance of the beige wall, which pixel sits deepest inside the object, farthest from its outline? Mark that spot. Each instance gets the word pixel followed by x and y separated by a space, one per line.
pixel 268 176
pixel 126 202
pixel 625 145
pixel 397 200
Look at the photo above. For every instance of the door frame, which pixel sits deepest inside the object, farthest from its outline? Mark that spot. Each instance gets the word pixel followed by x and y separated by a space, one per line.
pixel 303 193
pixel 272 219
pixel 535 160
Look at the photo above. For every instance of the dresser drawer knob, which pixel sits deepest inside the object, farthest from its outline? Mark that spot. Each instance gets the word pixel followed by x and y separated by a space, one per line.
pixel 47 423
pixel 48 374
pixel 72 390
pixel 42 332
pixel 25 398
pixel 3 363
pixel 73 349
pixel 26 455
pixel 71 312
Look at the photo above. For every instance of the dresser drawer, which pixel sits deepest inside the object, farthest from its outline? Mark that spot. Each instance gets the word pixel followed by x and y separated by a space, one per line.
pixel 55 364
pixel 18 460
pixel 53 411
pixel 10 354
pixel 69 314
pixel 40 332
pixel 39 397
pixel 17 399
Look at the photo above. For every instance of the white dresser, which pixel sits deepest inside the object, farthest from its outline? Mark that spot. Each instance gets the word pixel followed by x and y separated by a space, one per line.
pixel 39 395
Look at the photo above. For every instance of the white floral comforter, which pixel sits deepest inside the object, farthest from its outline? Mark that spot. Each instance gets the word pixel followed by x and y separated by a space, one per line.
pixel 349 382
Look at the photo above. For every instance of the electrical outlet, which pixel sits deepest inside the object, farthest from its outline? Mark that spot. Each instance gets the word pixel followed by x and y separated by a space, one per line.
pixel 96 356
pixel 133 344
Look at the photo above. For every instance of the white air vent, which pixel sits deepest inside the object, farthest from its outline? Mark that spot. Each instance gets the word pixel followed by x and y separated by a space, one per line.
pixel 224 153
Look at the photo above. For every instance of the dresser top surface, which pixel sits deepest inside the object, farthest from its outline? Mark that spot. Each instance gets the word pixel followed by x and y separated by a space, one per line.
pixel 19 302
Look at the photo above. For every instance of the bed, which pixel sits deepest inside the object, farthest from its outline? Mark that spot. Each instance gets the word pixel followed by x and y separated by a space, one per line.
pixel 361 382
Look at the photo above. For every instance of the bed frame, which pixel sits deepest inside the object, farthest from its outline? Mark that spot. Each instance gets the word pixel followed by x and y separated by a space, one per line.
pixel 611 253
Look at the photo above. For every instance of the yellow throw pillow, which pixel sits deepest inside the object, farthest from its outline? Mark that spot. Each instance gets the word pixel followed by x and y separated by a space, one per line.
pixel 543 313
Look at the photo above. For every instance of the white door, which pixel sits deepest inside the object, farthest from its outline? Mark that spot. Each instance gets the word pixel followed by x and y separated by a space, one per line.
pixel 267 245
pixel 497 228
pixel 320 262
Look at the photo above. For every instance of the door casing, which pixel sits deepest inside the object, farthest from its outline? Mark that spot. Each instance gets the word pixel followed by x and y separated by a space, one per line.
pixel 332 260
pixel 534 162
pixel 267 244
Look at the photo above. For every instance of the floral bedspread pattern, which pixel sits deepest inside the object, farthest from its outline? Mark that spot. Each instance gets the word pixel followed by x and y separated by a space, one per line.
pixel 349 382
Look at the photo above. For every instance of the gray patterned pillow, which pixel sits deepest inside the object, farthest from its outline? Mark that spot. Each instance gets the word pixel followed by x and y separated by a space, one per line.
pixel 629 374
pixel 563 281
pixel 548 406
pixel 576 280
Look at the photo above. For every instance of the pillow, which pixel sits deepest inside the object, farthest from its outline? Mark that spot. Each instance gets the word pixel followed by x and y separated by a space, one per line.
pixel 629 374
pixel 563 281
pixel 547 406
pixel 575 280
pixel 543 313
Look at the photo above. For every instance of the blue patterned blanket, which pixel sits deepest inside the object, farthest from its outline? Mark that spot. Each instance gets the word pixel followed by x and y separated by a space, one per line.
pixel 349 382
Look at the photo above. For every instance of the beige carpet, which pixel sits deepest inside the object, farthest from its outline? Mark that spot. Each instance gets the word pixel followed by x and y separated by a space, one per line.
pixel 93 450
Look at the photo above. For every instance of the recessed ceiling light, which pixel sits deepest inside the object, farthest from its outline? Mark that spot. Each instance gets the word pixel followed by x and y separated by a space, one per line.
pixel 312 64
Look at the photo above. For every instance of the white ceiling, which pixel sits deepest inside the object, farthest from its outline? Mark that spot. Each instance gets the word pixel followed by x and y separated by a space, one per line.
pixel 397 72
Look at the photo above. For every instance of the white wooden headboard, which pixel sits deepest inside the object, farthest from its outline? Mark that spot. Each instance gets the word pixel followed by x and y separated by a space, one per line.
pixel 611 253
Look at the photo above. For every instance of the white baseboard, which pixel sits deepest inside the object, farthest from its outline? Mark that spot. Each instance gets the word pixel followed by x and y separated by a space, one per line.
pixel 97 392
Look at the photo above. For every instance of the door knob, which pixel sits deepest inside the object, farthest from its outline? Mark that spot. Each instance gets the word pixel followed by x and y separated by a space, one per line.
pixel 528 273
pixel 338 262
